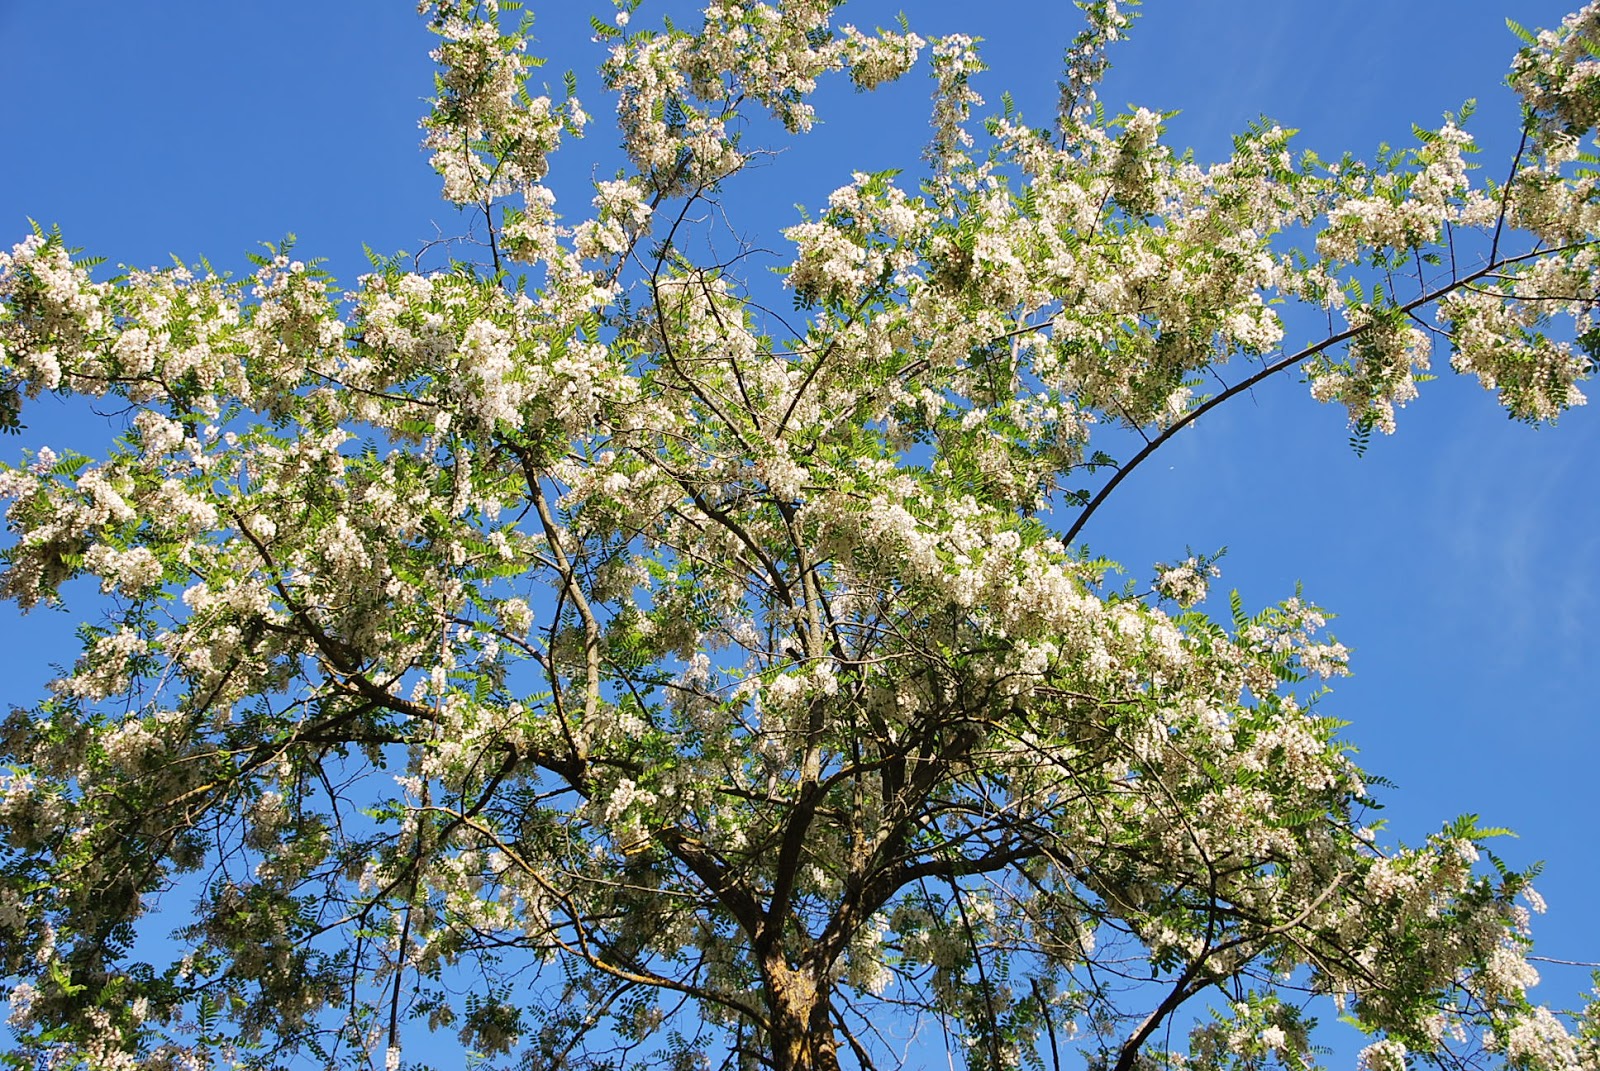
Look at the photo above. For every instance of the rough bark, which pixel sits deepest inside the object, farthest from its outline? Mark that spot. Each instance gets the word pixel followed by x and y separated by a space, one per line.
pixel 801 1035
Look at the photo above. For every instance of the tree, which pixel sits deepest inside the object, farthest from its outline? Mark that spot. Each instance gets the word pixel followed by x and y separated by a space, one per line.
pixel 699 680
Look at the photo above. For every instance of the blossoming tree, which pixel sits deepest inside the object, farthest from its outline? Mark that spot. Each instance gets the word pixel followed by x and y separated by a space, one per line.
pixel 568 654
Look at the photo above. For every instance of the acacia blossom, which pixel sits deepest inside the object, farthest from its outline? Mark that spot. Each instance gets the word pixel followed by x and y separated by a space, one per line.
pixel 697 676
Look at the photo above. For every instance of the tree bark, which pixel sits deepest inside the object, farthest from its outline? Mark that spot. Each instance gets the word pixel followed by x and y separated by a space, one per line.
pixel 801 1036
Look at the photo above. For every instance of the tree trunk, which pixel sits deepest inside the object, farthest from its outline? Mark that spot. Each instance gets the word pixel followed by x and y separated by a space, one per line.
pixel 802 1038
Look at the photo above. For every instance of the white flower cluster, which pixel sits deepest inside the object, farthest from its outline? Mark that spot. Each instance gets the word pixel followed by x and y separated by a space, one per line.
pixel 65 310
pixel 1506 973
pixel 1086 62
pixel 292 326
pixel 622 218
pixel 132 572
pixel 104 669
pixel 1187 582
pixel 868 238
pixel 876 61
pixel 1379 374
pixel 955 61
pixel 1558 77
pixel 23 997
pixel 677 92
pixel 1384 1055
pixel 1496 340
pixel 1536 1038
pixel 401 319
pixel 1401 212
pixel 488 136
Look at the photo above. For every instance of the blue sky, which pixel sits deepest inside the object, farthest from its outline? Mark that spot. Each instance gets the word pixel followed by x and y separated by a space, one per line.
pixel 1460 554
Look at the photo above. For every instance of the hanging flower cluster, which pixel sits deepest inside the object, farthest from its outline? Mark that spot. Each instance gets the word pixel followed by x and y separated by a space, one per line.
pixel 664 661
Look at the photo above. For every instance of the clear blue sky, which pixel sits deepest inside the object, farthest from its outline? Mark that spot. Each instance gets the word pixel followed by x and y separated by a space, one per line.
pixel 1461 554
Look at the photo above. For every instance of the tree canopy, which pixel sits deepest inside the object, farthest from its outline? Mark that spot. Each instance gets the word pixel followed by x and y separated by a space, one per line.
pixel 561 648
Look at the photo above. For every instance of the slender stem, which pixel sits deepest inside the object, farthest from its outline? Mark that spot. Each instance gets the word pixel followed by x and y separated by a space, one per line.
pixel 1505 194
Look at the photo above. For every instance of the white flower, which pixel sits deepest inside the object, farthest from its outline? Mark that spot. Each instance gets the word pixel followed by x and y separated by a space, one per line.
pixel 22 999
pixel 1385 1055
